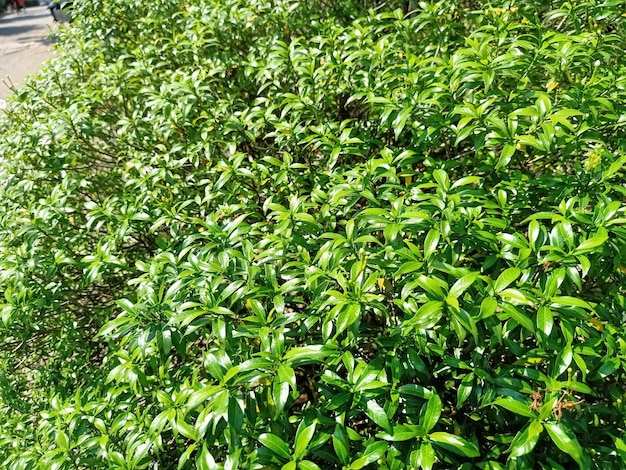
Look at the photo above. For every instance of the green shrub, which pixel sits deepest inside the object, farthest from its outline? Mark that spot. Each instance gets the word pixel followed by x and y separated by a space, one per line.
pixel 248 234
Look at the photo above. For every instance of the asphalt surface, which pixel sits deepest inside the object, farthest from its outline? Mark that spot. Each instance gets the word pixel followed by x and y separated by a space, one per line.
pixel 24 46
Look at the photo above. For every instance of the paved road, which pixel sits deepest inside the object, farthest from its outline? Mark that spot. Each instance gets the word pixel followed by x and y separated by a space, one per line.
pixel 23 45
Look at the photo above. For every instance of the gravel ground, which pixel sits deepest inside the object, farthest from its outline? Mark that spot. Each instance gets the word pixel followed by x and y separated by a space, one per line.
pixel 24 46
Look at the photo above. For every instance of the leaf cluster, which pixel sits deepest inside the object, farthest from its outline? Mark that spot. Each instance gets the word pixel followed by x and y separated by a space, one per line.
pixel 336 235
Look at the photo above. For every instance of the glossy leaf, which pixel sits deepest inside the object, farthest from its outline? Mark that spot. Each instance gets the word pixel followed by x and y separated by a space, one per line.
pixel 454 443
pixel 526 440
pixel 566 441
pixel 276 445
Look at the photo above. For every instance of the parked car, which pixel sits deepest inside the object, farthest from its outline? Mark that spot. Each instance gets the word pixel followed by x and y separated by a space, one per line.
pixel 61 10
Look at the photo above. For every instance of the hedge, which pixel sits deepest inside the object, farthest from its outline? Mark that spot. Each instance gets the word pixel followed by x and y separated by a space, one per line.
pixel 317 235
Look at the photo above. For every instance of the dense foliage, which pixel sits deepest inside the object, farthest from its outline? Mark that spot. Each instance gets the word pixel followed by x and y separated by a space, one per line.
pixel 253 234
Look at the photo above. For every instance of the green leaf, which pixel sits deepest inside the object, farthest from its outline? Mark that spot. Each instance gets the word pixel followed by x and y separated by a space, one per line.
pixel 286 374
pixel 515 297
pixel 442 179
pixel 181 426
pixel 426 456
pixel 280 396
pixel 456 444
pixel 276 445
pixel 378 415
pixel 526 439
pixel 466 180
pixel 200 396
pixel 462 284
pixel 127 305
pixel 303 438
pixel 292 465
pixel 547 408
pixel 431 413
pixel 400 121
pixel 561 116
pixel 433 286
pixel 62 441
pixel 515 406
pixel 519 316
pixel 620 445
pixel 614 168
pixel 403 432
pixel 427 316
pixel 545 320
pixel 236 412
pixel 532 141
pixel 563 360
pixel 204 460
pixel 302 355
pixel 591 244
pixel 431 242
pixel 347 316
pixel 415 390
pixel 465 389
pixel 488 307
pixel 506 154
pixel 567 301
pixel 566 441
pixel 371 454
pixel 609 366
pixel 308 465
pixel 507 277
pixel 341 444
